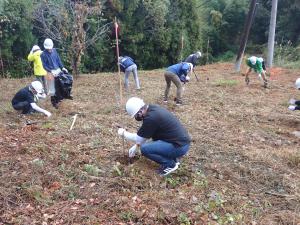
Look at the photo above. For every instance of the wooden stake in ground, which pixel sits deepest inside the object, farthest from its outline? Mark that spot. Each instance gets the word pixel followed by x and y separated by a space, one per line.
pixel 120 78
pixel 74 120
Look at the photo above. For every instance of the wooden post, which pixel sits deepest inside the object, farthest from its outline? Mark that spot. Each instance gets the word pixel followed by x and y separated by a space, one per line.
pixel 1 64
pixel 118 55
pixel 120 78
pixel 246 32
pixel 207 50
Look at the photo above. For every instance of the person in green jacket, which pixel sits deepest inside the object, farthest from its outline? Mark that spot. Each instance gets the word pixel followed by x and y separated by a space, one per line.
pixel 256 64
pixel 38 69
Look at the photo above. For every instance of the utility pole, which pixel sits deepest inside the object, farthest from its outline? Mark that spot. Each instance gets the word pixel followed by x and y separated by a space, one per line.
pixel 271 38
pixel 246 32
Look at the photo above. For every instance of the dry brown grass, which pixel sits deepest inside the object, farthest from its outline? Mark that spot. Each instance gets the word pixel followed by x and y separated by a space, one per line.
pixel 242 168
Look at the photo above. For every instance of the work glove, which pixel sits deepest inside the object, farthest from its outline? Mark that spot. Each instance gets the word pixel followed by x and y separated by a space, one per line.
pixel 65 70
pixel 292 107
pixel 292 101
pixel 41 96
pixel 187 78
pixel 48 114
pixel 121 132
pixel 132 151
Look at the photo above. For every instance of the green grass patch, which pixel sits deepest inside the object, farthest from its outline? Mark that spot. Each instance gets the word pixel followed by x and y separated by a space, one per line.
pixel 226 83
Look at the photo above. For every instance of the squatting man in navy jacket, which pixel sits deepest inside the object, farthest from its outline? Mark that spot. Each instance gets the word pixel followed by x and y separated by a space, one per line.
pixel 170 139
pixel 127 65
pixel 54 67
pixel 177 74
pixel 295 104
pixel 25 99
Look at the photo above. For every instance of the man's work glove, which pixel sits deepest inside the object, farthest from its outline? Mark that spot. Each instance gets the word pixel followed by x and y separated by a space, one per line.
pixel 121 132
pixel 292 101
pixel 48 114
pixel 132 151
pixel 65 70
pixel 187 78
pixel 292 107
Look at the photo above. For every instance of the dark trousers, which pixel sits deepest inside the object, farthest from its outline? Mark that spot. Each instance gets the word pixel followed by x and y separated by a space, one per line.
pixel 297 103
pixel 24 106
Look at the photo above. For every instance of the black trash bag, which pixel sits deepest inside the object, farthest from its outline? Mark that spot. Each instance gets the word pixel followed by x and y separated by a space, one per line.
pixel 63 86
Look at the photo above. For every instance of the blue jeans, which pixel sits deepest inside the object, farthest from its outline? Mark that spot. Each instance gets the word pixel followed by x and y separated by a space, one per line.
pixel 133 69
pixel 24 106
pixel 163 152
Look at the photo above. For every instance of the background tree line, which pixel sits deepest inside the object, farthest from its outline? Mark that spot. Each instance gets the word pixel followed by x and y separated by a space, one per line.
pixel 151 31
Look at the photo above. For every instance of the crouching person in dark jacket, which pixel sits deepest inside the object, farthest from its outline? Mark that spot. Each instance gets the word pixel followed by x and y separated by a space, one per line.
pixel 293 103
pixel 25 99
pixel 170 140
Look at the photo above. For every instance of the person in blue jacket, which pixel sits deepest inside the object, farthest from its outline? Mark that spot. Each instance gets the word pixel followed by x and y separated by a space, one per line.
pixel 127 65
pixel 54 67
pixel 177 74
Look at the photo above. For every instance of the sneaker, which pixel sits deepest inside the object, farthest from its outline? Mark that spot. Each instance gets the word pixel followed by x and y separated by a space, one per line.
pixel 70 97
pixel 168 170
pixel 177 161
pixel 265 84
pixel 178 103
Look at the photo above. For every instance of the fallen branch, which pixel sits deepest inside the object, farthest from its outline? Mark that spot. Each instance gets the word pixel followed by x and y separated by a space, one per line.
pixel 279 195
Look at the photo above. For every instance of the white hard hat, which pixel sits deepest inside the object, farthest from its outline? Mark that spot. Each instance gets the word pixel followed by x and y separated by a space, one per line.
pixel 297 83
pixel 133 105
pixel 198 54
pixel 48 43
pixel 37 86
pixel 191 66
pixel 35 47
pixel 253 60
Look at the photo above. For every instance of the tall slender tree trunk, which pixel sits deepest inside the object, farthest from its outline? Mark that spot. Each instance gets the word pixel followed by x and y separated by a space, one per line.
pixel 272 28
pixel 1 64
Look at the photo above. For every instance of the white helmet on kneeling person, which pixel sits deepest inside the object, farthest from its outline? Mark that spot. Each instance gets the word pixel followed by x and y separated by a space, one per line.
pixel 133 105
pixel 253 60
pixel 37 89
pixel 297 83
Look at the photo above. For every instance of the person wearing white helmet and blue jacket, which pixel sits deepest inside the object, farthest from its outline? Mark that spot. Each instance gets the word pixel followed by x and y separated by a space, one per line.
pixel 54 67
pixel 177 74
pixel 170 140
pixel 127 65
pixel 256 64
pixel 295 104
pixel 25 99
